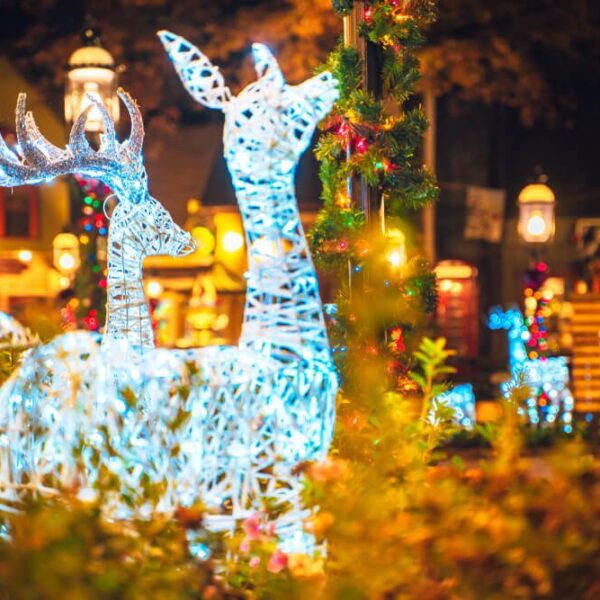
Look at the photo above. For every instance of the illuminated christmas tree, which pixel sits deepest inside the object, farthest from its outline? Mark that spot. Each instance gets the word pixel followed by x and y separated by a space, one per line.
pixel 86 309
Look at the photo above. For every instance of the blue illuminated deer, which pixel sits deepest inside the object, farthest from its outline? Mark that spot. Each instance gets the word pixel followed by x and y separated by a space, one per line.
pixel 549 376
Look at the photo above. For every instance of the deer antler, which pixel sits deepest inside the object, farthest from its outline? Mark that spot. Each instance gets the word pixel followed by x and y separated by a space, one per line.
pixel 36 159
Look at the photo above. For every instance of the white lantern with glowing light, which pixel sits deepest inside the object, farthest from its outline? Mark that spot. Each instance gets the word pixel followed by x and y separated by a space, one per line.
pixel 91 72
pixel 536 213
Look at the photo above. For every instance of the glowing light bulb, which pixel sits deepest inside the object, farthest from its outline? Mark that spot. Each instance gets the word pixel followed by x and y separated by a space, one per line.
pixel 154 288
pixel 396 258
pixel 25 256
pixel 233 241
pixel 536 225
pixel 530 304
pixel 445 285
pixel 66 262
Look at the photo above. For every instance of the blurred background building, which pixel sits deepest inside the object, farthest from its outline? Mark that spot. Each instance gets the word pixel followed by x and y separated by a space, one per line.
pixel 509 98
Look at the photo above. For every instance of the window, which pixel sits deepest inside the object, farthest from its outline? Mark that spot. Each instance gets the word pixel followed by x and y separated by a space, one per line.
pixel 19 212
pixel 19 206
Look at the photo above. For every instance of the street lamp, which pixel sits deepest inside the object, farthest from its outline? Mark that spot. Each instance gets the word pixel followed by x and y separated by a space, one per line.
pixel 91 71
pixel 536 212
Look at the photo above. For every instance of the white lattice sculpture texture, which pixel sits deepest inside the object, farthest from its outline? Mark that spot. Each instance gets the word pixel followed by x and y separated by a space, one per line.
pixel 225 425
pixel 15 335
pixel 461 400
pixel 267 128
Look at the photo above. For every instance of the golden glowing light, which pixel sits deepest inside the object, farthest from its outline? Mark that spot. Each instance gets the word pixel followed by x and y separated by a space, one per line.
pixel 154 288
pixel 445 285
pixel 530 304
pixel 25 256
pixel 206 240
pixel 233 241
pixel 396 248
pixel 396 259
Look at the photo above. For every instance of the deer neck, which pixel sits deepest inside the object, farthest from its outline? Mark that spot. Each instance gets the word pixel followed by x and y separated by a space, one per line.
pixel 517 352
pixel 283 316
pixel 128 316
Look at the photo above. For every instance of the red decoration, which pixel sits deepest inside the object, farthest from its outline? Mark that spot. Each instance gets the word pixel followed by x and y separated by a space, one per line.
pixel 361 145
pixel 397 344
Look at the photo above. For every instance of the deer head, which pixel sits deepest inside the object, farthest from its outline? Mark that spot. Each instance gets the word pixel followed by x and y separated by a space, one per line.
pixel 270 123
pixel 509 319
pixel 119 165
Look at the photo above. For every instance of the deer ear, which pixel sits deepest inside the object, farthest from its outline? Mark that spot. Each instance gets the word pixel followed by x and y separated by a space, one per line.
pixel 322 91
pixel 266 65
pixel 200 77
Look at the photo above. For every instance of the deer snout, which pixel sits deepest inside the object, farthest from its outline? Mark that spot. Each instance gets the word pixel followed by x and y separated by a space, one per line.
pixel 183 243
pixel 188 245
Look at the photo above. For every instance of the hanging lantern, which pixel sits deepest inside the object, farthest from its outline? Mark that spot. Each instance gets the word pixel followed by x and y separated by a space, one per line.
pixel 536 213
pixel 91 71
pixel 66 256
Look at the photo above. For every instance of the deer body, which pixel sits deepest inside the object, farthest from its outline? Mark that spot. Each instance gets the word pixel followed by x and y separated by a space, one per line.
pixel 549 375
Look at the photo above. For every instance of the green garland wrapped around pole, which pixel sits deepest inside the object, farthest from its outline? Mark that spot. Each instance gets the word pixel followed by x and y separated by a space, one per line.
pixel 372 173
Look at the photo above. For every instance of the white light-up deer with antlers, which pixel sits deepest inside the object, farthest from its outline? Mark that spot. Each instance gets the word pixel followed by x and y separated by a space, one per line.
pixel 69 390
pixel 140 225
pixel 256 410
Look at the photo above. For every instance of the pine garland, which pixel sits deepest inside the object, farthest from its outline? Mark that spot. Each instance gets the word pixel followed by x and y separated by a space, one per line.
pixel 385 147
pixel 388 316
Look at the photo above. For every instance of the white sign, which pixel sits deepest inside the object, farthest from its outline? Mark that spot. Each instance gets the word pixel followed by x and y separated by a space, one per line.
pixel 485 214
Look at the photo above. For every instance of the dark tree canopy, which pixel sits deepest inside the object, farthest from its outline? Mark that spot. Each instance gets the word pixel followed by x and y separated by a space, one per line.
pixel 539 56
pixel 39 35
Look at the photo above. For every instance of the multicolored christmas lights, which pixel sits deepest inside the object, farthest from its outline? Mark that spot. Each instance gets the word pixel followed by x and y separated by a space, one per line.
pixel 364 139
pixel 86 309
pixel 536 310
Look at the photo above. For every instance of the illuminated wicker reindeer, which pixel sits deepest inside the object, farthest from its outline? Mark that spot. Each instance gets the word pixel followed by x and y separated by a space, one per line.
pixel 69 389
pixel 139 227
pixel 255 412
pixel 548 378
pixel 268 126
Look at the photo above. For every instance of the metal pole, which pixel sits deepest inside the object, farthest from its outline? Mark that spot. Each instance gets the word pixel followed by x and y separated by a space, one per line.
pixel 368 198
pixel 429 149
pixel 352 22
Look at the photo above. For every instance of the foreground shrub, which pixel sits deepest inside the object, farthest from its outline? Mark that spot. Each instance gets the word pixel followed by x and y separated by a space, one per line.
pixel 403 520
pixel 399 514
pixel 61 548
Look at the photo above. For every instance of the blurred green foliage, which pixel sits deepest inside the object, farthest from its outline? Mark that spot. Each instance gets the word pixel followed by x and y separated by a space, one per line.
pixel 62 548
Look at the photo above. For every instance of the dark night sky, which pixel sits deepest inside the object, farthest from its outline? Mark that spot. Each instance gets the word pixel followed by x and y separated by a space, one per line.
pixel 39 35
